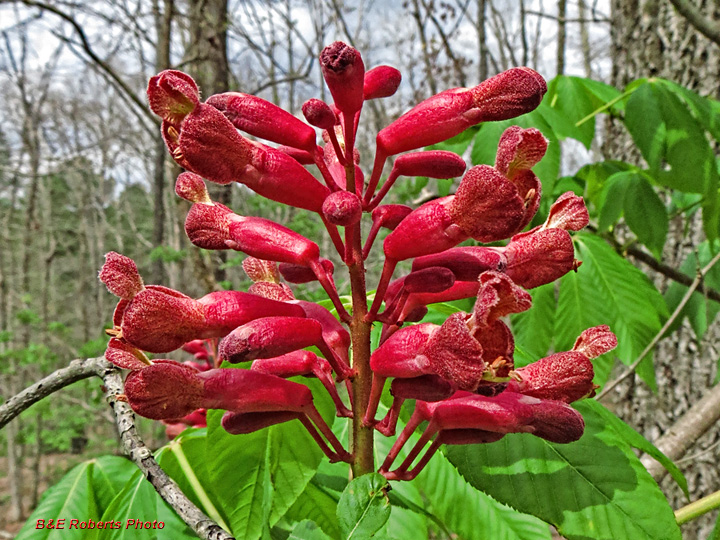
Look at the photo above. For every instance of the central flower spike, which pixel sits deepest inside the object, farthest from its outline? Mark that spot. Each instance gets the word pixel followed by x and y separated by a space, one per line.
pixel 460 372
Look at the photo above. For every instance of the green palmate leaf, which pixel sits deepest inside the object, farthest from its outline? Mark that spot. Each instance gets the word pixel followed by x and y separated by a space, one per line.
pixel 612 198
pixel 185 461
pixel 138 511
pixel 257 477
pixel 595 177
pixel 699 310
pixel 599 93
pixel 570 97
pixel 645 214
pixel 706 111
pixel 72 498
pixel 644 121
pixel 469 513
pixel 318 504
pixel 363 508
pixel 607 289
pixel 637 441
pixel 533 329
pixel 109 476
pixel 307 530
pixel 595 488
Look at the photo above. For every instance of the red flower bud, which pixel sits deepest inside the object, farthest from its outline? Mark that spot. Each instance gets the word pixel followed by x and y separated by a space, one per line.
pixel 519 150
pixel 226 310
pixel 425 388
pixel 334 334
pixel 434 164
pixel 319 114
pixel 428 229
pixel 265 120
pixel 190 186
pixel 208 225
pixel 211 146
pixel 342 208
pixel 429 280
pixel 197 348
pixel 388 216
pixel 268 337
pixel 400 356
pixel 466 263
pixel 120 275
pixel 295 273
pixel 265 239
pixel 243 423
pixel 172 95
pixel 380 82
pixel 344 72
pixel 459 291
pixel 125 356
pixel 440 117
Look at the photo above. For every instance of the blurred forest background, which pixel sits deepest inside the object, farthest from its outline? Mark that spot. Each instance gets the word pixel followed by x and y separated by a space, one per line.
pixel 83 169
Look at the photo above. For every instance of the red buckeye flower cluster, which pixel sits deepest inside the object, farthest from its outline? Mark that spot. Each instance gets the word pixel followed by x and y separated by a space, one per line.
pixel 460 374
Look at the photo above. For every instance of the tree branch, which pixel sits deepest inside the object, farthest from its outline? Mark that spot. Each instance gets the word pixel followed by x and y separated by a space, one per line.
pixel 104 66
pixel 133 445
pixel 76 371
pixel 141 455
pixel 685 431
pixel 631 368
pixel 707 27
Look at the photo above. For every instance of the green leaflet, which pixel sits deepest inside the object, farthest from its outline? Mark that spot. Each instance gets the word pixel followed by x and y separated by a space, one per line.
pixel 595 488
pixel 82 494
pixel 470 513
pixel 363 508
pixel 258 476
pixel 607 289
pixel 137 504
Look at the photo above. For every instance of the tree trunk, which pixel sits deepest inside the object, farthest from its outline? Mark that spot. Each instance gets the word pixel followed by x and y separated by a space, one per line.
pixel 209 67
pixel 649 39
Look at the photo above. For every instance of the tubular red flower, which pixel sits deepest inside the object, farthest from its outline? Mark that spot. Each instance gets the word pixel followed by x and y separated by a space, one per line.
pixel 344 72
pixel 172 95
pixel 466 263
pixel 539 258
pixel 440 117
pixel 268 337
pixel 296 273
pixel 565 376
pixel 265 120
pixel 489 207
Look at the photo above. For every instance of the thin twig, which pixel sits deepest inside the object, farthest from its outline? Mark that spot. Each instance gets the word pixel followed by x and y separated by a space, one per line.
pixel 76 371
pixel 204 527
pixel 631 368
pixel 141 455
